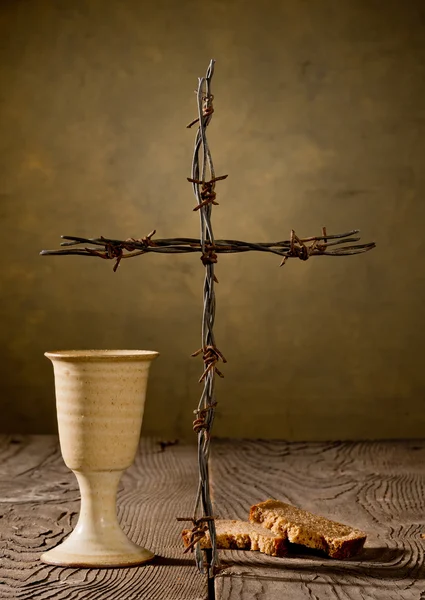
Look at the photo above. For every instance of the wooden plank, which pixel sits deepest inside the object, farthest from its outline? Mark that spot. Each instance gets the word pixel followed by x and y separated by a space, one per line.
pixel 39 503
pixel 376 486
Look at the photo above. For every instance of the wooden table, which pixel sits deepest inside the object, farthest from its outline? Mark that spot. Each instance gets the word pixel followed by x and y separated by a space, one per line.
pixel 376 486
pixel 39 503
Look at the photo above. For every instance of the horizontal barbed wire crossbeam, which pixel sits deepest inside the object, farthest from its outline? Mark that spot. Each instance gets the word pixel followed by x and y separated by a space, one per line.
pixel 109 248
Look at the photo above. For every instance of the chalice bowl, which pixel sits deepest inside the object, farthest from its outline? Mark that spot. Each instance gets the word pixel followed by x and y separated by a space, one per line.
pixel 100 399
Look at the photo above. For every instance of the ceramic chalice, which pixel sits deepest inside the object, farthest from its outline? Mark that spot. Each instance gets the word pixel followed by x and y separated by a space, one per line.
pixel 100 398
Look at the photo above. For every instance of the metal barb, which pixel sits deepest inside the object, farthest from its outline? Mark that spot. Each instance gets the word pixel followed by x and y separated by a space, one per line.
pixel 198 531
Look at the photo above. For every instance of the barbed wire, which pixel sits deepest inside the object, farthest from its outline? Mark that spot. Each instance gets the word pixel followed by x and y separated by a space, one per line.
pixel 203 181
pixel 108 248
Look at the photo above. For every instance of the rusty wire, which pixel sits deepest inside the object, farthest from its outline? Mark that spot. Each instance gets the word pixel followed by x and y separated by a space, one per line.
pixel 198 531
pixel 113 249
pixel 203 181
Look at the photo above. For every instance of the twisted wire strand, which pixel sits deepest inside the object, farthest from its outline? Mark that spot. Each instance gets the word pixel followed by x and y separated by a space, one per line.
pixel 103 246
pixel 202 171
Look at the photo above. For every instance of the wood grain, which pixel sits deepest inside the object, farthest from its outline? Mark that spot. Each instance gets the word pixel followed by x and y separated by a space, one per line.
pixel 39 503
pixel 376 486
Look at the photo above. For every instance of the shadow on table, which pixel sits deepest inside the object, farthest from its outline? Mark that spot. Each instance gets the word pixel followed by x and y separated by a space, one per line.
pixel 384 563
pixel 173 561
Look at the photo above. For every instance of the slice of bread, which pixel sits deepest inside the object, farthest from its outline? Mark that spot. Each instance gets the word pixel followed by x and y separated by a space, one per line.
pixel 241 535
pixel 302 527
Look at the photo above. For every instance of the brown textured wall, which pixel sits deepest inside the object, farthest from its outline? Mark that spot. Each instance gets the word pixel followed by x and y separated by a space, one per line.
pixel 319 120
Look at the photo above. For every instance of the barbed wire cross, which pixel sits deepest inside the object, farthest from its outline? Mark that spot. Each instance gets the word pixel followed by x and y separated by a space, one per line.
pixel 203 180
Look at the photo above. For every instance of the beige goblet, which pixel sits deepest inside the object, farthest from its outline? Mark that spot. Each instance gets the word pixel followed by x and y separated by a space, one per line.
pixel 100 399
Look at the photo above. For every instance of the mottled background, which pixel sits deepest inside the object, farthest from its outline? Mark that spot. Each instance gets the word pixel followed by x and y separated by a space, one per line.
pixel 319 120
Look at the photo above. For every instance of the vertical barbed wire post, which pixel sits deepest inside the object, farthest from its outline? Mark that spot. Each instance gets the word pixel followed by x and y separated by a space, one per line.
pixel 203 182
